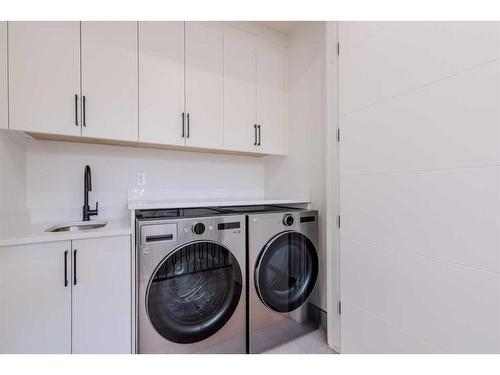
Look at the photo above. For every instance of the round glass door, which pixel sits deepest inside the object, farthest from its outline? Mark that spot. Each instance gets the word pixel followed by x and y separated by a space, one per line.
pixel 194 292
pixel 286 272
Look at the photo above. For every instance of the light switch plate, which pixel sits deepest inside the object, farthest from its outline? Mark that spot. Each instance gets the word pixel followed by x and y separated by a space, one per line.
pixel 141 179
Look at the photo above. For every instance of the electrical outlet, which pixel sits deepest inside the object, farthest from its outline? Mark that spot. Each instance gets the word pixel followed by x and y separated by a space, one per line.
pixel 141 179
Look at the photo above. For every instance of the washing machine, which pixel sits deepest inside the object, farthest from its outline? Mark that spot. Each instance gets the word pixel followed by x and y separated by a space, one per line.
pixel 283 269
pixel 191 276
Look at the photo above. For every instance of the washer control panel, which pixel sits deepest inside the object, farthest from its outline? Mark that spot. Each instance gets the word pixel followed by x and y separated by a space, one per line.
pixel 288 220
pixel 198 228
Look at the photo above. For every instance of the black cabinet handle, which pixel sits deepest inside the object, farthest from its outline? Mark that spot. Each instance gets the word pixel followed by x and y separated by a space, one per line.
pixel 183 125
pixel 76 110
pixel 255 134
pixel 74 266
pixel 66 268
pixel 84 121
pixel 188 125
pixel 258 144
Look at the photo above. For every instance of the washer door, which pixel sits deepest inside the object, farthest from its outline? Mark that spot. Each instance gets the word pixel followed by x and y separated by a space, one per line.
pixel 286 271
pixel 194 292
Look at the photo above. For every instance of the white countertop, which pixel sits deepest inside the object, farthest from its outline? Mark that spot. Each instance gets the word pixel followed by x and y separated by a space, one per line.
pixel 26 233
pixel 23 233
pixel 184 203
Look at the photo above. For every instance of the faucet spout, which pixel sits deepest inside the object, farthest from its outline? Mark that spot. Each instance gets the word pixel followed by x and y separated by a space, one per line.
pixel 87 186
pixel 88 179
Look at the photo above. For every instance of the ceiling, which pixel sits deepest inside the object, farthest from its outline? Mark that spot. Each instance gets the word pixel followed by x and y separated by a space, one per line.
pixel 284 27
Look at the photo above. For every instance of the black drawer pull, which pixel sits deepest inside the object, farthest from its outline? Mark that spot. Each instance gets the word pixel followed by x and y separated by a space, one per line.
pixel 76 110
pixel 66 268
pixel 157 238
pixel 183 123
pixel 84 121
pixel 74 266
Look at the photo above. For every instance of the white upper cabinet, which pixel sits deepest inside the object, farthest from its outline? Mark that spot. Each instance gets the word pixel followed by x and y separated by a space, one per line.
pixel 109 80
pixel 35 298
pixel 240 92
pixel 271 99
pixel 254 94
pixel 161 82
pixel 102 295
pixel 44 77
pixel 3 76
pixel 204 84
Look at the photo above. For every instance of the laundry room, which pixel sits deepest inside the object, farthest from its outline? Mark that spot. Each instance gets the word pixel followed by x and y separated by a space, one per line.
pixel 163 196
pixel 265 187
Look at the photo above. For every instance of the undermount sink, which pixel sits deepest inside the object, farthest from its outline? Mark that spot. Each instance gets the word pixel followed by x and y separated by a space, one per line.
pixel 77 226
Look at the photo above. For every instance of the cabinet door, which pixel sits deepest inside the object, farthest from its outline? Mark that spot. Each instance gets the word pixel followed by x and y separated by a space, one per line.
pixel 3 76
pixel 109 80
pixel 102 295
pixel 271 99
pixel 204 84
pixel 240 92
pixel 44 77
pixel 35 303
pixel 161 82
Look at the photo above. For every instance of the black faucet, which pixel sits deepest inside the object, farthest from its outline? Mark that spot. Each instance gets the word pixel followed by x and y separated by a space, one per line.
pixel 87 186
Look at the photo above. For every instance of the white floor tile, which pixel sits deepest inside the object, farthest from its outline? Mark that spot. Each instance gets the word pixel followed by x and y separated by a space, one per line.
pixel 312 343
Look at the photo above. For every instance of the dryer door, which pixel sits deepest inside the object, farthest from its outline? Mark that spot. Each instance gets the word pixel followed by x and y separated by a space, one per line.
pixel 286 271
pixel 194 292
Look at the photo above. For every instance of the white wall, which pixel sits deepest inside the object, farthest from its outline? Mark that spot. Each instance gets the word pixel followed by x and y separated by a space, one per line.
pixel 3 76
pixel 302 172
pixel 12 177
pixel 55 177
pixel 420 186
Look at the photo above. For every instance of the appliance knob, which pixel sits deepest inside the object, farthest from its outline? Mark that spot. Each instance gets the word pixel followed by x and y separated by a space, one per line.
pixel 198 228
pixel 288 220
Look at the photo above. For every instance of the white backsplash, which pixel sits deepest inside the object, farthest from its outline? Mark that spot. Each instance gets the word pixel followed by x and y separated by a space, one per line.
pixel 141 194
pixel 12 177
pixel 55 177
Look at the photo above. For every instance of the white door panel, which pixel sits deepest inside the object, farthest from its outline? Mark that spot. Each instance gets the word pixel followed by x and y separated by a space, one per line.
pixel 419 187
pixel 109 80
pixel 44 76
pixel 428 118
pixel 102 295
pixel 204 84
pixel 35 304
pixel 3 76
pixel 161 82
pixel 370 77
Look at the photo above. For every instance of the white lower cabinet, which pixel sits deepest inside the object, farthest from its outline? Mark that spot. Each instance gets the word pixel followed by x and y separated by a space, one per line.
pixel 35 300
pixel 66 297
pixel 102 295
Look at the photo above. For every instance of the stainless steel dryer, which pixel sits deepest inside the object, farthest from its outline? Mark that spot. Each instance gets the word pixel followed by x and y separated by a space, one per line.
pixel 191 281
pixel 282 273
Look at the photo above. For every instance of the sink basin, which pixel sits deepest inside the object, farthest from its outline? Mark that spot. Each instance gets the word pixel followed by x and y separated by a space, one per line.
pixel 77 226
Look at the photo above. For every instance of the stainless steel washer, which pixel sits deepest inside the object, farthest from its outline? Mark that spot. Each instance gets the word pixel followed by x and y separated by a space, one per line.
pixel 282 273
pixel 191 282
